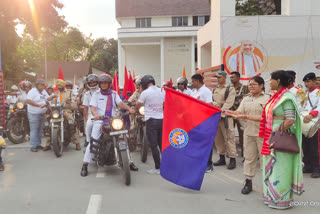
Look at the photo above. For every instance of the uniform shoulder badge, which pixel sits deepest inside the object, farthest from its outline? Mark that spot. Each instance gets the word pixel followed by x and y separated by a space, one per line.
pixel 318 92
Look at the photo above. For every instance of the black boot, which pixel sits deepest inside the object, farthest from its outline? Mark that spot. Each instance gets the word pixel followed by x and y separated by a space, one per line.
pixel 247 187
pixel 232 163
pixel 133 167
pixel 84 170
pixel 221 161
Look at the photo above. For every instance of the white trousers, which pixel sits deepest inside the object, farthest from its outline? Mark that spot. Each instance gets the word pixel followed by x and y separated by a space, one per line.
pixel 96 132
pixel 89 126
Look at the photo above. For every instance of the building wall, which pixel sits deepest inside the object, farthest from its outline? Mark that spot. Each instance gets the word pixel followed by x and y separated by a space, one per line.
pixel 177 55
pixel 143 59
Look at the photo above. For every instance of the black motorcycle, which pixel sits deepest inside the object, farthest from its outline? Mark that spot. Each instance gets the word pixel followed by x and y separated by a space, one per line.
pixel 18 124
pixel 112 147
pixel 61 129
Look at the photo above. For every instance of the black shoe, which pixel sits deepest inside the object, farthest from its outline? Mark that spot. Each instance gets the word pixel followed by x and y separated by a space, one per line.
pixel 232 163
pixel 315 174
pixel 34 150
pixel 133 167
pixel 247 187
pixel 209 168
pixel 84 170
pixel 221 161
pixel 40 147
pixel 86 144
pixel 307 170
pixel 1 166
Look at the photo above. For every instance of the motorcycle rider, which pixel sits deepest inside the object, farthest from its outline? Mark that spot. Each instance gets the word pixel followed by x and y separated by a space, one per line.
pixel 69 85
pixel 50 90
pixel 103 103
pixel 182 84
pixel 12 98
pixel 26 87
pixel 153 98
pixel 92 81
pixel 62 96
pixel 135 96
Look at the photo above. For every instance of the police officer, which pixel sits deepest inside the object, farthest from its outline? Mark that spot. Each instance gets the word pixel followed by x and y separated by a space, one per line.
pixel 152 98
pixel 223 98
pixel 92 81
pixel 135 96
pixel 250 110
pixel 103 103
pixel 182 84
pixel 241 91
pixel 310 146
pixel 62 96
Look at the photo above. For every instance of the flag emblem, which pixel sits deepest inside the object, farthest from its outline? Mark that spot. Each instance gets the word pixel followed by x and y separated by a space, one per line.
pixel 178 138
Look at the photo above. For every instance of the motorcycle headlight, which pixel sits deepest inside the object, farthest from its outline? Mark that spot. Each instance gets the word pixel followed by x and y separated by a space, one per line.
pixel 55 115
pixel 117 124
pixel 141 110
pixel 20 105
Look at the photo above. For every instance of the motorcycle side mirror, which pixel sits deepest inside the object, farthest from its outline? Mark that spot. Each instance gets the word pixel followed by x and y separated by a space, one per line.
pixel 129 93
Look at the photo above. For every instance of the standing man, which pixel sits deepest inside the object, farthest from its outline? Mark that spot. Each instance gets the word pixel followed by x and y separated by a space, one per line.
pixel 224 97
pixel 310 146
pixel 152 98
pixel 182 84
pixel 241 91
pixel 201 92
pixel 37 106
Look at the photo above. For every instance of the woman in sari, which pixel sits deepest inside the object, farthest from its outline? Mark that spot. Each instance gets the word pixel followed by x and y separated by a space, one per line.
pixel 282 172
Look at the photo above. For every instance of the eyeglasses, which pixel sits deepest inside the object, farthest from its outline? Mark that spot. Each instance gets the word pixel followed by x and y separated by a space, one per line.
pixel 253 84
pixel 180 83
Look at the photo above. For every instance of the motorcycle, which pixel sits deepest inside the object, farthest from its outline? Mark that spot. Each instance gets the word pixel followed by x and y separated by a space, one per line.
pixel 18 124
pixel 61 129
pixel 112 147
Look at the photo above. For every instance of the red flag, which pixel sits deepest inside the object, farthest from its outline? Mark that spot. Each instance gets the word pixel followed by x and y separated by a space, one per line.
pixel 131 84
pixel 126 84
pixel 116 83
pixel 133 75
pixel 60 74
pixel 184 72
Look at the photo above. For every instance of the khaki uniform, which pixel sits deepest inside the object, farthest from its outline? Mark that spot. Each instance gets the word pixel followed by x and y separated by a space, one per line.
pixel 224 141
pixel 65 95
pixel 251 105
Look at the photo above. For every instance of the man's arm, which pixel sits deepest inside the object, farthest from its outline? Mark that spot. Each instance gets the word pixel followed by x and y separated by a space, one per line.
pixel 30 102
pixel 85 112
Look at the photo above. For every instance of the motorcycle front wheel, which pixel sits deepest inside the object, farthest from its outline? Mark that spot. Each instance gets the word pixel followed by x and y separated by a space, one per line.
pixel 16 130
pixel 56 142
pixel 125 167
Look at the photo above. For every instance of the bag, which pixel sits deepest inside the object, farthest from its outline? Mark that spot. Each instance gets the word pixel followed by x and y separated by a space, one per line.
pixel 284 141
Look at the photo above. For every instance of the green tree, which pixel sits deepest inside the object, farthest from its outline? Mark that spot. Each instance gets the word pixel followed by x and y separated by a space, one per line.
pixel 258 7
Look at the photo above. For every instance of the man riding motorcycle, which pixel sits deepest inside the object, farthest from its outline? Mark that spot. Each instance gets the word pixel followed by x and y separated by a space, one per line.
pixel 182 84
pixel 12 98
pixel 92 81
pixel 63 96
pixel 103 103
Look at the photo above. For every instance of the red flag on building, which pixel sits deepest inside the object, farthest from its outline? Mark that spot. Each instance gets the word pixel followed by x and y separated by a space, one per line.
pixel 126 84
pixel 131 87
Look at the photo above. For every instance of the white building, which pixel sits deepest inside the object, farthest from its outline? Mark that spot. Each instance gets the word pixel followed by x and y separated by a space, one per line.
pixel 159 37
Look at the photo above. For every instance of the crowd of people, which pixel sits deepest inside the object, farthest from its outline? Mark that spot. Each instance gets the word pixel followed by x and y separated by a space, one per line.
pixel 246 109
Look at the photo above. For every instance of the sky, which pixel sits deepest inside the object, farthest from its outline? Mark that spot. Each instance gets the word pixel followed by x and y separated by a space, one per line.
pixel 96 17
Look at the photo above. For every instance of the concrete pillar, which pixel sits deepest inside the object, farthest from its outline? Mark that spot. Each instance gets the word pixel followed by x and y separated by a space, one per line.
pixel 161 61
pixel 193 67
pixel 120 70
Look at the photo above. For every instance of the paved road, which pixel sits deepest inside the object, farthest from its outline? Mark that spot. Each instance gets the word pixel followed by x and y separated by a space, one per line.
pixel 35 183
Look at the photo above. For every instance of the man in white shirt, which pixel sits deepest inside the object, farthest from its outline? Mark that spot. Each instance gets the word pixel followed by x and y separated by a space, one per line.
pixel 182 84
pixel 37 101
pixel 245 61
pixel 310 146
pixel 101 105
pixel 152 98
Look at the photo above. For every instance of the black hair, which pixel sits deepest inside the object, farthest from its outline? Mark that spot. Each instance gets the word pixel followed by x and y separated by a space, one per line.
pixel 236 73
pixel 283 76
pixel 258 80
pixel 197 77
pixel 292 75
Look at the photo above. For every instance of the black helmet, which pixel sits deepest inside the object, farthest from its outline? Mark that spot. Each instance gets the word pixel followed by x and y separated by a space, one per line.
pixel 182 80
pixel 146 79
pixel 105 78
pixel 69 83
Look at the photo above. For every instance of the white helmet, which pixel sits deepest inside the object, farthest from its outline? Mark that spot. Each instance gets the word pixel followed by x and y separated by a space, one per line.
pixel 14 88
pixel 93 78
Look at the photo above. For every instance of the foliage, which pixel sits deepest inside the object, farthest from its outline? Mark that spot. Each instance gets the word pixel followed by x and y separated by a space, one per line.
pixel 258 7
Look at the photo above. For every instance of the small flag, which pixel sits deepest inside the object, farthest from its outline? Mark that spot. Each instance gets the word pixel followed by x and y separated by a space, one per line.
pixel 60 74
pixel 187 138
pixel 184 72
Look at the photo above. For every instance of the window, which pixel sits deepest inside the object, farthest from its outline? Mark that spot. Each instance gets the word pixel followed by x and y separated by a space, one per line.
pixel 180 21
pixel 143 22
pixel 200 20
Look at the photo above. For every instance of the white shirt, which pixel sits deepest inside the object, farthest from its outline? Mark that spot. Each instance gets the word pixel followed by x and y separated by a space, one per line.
pixel 294 91
pixel 12 99
pixel 203 94
pixel 248 64
pixel 39 98
pixel 23 97
pixel 99 101
pixel 153 99
pixel 86 102
pixel 315 100
pixel 186 91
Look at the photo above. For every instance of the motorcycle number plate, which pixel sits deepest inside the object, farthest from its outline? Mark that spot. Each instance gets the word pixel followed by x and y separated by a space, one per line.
pixel 55 120
pixel 118 132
